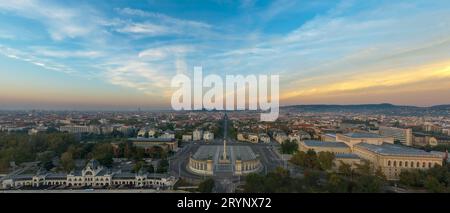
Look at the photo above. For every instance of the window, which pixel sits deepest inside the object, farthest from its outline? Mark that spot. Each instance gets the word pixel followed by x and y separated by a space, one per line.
pixel 400 163
pixel 423 164
pixel 389 163
pixel 429 164
pixel 395 163
pixel 406 163
pixel 417 164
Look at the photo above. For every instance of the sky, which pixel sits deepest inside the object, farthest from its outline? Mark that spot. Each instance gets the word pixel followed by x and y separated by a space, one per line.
pixel 123 54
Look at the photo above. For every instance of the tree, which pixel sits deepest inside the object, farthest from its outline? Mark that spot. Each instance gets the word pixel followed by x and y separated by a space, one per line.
pixel 312 178
pixel 337 184
pixel 325 160
pixel 433 185
pixel 138 166
pixel 311 160
pixel 67 161
pixel 412 178
pixel 103 153
pixel 298 159
pixel 345 169
pixel 254 183
pixel 380 174
pixel 289 147
pixel 206 186
pixel 163 166
pixel 368 184
pixel 364 169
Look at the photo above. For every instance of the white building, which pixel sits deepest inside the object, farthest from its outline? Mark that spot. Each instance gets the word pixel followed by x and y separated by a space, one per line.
pixel 186 138
pixel 79 129
pixel 93 175
pixel 405 136
pixel 208 136
pixel 168 134
pixel 263 137
pixel 280 137
pixel 197 135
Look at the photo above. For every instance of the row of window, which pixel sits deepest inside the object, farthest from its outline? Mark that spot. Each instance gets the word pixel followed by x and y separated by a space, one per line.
pixel 88 179
pixel 410 164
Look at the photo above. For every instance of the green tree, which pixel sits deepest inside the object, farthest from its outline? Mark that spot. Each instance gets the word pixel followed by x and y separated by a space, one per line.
pixel 345 169
pixel 433 185
pixel 325 160
pixel 337 184
pixel 368 184
pixel 254 183
pixel 289 147
pixel 412 178
pixel 103 153
pixel 311 160
pixel 380 174
pixel 364 169
pixel 138 166
pixel 298 159
pixel 67 162
pixel 206 186
pixel 163 166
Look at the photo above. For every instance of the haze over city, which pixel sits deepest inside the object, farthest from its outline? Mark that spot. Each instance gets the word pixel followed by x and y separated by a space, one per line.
pixel 122 55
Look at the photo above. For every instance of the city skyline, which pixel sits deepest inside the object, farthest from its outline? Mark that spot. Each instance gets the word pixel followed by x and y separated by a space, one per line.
pixel 122 55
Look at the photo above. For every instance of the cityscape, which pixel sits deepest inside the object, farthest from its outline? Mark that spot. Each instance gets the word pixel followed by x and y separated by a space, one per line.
pixel 233 97
pixel 365 148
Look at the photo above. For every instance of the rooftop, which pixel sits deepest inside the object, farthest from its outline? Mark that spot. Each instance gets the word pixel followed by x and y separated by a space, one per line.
pixel 316 143
pixel 393 149
pixel 363 135
pixel 214 152
pixel 347 156
pixel 151 139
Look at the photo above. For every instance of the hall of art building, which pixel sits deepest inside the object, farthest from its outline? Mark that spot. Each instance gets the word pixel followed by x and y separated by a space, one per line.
pixel 212 159
pixel 93 175
pixel 380 150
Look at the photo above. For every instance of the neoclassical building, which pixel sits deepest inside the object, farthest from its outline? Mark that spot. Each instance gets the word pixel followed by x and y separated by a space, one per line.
pixel 213 159
pixel 93 175
pixel 377 149
pixel 393 159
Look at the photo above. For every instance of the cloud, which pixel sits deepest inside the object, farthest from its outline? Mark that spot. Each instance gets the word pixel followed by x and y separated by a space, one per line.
pixel 164 19
pixel 157 24
pixel 46 64
pixel 61 22
pixel 55 53
pixel 139 75
pixel 147 29
pixel 160 53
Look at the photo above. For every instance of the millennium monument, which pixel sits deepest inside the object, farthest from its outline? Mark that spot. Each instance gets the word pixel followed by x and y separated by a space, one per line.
pixel 217 159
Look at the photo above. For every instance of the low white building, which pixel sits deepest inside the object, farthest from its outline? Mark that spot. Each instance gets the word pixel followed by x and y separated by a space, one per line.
pixel 197 135
pixel 168 134
pixel 93 175
pixel 208 136
pixel 264 138
pixel 186 138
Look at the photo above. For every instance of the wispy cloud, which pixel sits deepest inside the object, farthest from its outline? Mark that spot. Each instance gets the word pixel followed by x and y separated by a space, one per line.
pixel 344 49
pixel 26 57
pixel 61 22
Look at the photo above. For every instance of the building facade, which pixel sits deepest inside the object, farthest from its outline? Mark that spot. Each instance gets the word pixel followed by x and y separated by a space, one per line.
pixel 92 176
pixel 405 136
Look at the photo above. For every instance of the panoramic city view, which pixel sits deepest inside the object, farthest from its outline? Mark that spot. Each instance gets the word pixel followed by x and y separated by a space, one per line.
pixel 246 96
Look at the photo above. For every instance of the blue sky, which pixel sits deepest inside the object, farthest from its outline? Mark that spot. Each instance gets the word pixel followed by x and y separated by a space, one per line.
pixel 123 54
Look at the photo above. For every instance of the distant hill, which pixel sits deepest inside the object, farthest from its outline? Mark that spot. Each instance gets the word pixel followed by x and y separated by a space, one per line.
pixel 384 108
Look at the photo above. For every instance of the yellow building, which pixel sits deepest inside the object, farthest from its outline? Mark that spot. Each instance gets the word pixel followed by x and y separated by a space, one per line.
pixel 392 159
pixel 381 151
pixel 357 137
pixel 320 146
